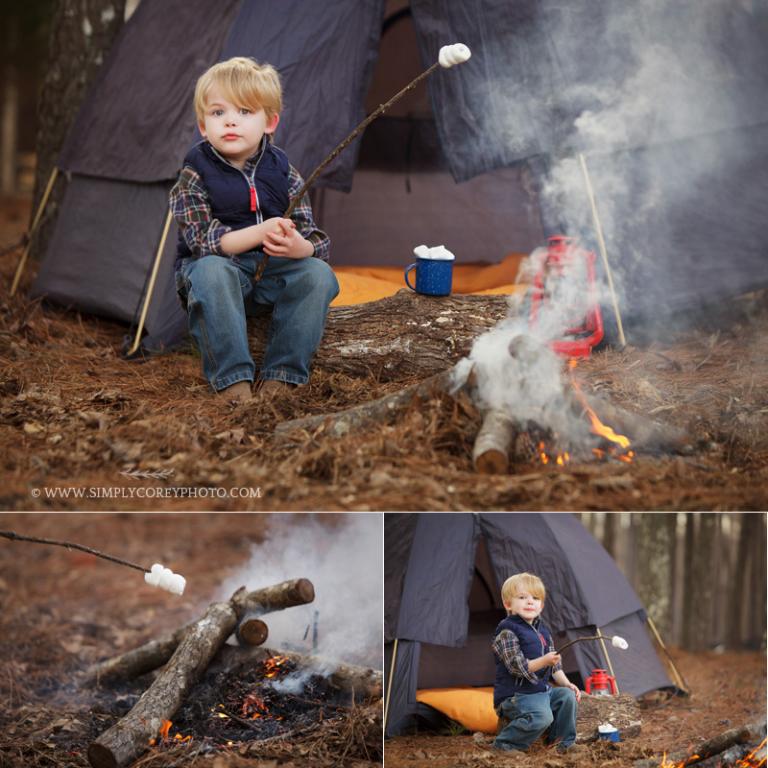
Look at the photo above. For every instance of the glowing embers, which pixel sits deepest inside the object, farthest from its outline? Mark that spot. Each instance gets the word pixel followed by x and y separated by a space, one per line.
pixel 164 735
pixel 755 759
pixel 559 459
pixel 274 666
pixel 616 446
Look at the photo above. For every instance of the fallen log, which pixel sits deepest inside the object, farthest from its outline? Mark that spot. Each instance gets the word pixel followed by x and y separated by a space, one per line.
pixel 397 338
pixel 129 737
pixel 747 734
pixel 139 661
pixel 360 683
pixel 375 412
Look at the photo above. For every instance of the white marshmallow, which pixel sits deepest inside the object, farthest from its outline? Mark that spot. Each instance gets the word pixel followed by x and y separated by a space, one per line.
pixel 165 578
pixel 450 55
pixel 619 642
pixel 438 253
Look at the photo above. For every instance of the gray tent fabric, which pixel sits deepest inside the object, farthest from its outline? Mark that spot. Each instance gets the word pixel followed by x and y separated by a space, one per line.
pixel 540 65
pixel 442 601
pixel 137 121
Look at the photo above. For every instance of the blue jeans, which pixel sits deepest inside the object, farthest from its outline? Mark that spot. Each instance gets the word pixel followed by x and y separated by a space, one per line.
pixel 530 714
pixel 220 292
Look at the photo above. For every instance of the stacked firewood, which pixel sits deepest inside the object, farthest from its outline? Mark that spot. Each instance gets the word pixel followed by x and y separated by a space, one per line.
pixel 185 656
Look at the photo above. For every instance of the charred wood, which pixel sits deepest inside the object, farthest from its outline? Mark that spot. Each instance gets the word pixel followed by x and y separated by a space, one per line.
pixel 400 337
pixel 154 654
pixel 358 683
pixel 748 734
pixel 129 737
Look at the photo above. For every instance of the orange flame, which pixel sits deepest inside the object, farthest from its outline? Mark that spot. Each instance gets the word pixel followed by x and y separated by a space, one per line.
pixel 273 664
pixel 598 428
pixel 561 459
pixel 254 706
pixel 753 760
pixel 163 732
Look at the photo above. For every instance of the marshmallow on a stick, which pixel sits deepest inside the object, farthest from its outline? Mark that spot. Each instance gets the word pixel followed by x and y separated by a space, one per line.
pixel 165 578
pixel 450 55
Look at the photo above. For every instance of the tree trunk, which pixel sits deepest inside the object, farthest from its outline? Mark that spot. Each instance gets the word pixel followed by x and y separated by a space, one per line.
pixel 82 32
pixel 155 653
pixel 399 338
pixel 655 542
pixel 738 591
pixel 610 526
pixel 703 585
pixel 689 603
pixel 129 737
pixel 756 591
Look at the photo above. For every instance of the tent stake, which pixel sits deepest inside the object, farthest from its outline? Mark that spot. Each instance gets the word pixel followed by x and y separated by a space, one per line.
pixel 151 286
pixel 389 685
pixel 680 680
pixel 35 222
pixel 603 251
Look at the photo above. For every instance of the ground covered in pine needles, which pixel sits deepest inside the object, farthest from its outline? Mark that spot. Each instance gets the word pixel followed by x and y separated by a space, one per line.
pixel 61 611
pixel 728 690
pixel 82 428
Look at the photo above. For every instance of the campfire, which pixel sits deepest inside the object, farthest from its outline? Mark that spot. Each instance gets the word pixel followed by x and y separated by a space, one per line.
pixel 210 696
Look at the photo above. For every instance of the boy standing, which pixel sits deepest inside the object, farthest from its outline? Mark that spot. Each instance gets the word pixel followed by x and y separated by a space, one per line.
pixel 526 664
pixel 229 201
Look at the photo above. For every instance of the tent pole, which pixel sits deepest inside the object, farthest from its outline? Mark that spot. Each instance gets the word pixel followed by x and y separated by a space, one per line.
pixel 151 286
pixel 607 657
pixel 603 251
pixel 35 222
pixel 679 680
pixel 389 684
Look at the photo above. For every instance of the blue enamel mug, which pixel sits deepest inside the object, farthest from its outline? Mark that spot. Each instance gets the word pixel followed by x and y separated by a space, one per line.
pixel 434 271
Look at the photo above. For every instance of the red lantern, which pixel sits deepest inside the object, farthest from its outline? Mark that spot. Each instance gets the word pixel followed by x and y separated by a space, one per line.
pixel 600 683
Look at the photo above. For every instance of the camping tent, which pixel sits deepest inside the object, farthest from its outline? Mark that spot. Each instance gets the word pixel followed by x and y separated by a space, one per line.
pixel 443 574
pixel 682 190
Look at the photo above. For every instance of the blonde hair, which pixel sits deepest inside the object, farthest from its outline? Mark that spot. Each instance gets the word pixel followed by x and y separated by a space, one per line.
pixel 245 83
pixel 526 581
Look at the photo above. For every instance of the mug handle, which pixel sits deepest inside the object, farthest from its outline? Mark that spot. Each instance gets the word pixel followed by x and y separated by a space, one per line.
pixel 407 271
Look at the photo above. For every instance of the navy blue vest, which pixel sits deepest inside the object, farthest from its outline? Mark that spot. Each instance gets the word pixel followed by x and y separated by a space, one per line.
pixel 530 639
pixel 235 195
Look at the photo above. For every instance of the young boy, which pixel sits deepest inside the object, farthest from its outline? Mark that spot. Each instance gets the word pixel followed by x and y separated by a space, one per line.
pixel 526 665
pixel 229 201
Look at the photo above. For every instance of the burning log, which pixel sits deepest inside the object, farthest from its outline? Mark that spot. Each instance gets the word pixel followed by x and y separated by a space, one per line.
pixel 155 653
pixel 747 734
pixel 382 336
pixel 360 683
pixel 490 454
pixel 129 737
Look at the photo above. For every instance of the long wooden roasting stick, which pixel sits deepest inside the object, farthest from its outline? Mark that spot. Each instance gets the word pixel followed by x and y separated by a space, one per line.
pixel 616 642
pixel 449 56
pixel 158 575
pixel 246 605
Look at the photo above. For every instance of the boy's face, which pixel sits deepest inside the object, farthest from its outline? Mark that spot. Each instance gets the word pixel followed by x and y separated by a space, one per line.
pixel 524 605
pixel 235 132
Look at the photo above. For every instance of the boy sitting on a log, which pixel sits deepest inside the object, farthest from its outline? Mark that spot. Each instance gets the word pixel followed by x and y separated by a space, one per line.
pixel 526 666
pixel 229 203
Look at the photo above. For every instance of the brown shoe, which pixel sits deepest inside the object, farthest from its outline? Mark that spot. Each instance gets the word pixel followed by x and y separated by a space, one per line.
pixel 240 392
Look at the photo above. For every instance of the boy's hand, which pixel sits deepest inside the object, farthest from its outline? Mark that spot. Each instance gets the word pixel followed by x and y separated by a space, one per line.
pixel 286 241
pixel 575 689
pixel 551 659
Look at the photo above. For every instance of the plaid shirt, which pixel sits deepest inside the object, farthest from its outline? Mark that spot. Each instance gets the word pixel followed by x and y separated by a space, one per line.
pixel 202 233
pixel 506 648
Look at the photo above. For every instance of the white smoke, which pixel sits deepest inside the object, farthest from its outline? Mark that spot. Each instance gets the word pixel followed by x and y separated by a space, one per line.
pixel 343 558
